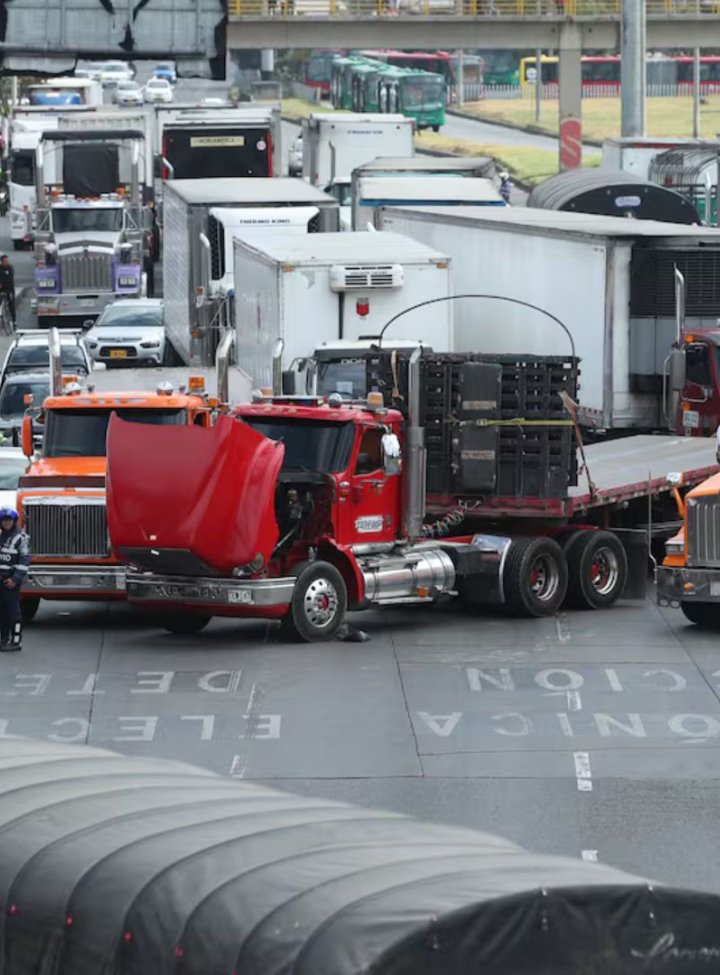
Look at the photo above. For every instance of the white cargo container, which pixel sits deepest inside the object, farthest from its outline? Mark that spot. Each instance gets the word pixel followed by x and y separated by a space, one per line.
pixel 334 143
pixel 634 155
pixel 609 280
pixel 310 290
pixel 200 218
pixel 372 192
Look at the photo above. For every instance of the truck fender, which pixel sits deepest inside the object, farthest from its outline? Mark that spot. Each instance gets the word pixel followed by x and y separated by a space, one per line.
pixel 346 563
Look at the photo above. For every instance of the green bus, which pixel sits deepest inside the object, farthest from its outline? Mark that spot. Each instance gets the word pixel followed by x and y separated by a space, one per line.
pixel 340 82
pixel 420 95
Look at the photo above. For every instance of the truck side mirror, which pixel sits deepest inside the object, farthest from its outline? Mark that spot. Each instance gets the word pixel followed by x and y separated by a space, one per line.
pixel 677 370
pixel 27 436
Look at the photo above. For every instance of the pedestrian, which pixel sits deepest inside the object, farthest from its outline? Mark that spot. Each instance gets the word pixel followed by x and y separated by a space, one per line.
pixel 7 284
pixel 152 251
pixel 14 562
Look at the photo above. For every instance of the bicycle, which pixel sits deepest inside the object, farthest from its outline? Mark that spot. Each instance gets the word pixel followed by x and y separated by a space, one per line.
pixel 6 322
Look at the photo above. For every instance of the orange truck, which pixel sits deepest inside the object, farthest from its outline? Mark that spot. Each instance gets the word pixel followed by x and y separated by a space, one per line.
pixel 61 497
pixel 689 576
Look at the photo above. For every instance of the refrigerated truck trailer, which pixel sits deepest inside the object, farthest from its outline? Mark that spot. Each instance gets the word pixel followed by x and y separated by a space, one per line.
pixel 370 193
pixel 335 143
pixel 635 154
pixel 201 217
pixel 610 281
pixel 307 291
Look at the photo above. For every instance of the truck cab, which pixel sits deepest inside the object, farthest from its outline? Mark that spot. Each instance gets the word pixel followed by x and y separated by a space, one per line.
pixel 61 498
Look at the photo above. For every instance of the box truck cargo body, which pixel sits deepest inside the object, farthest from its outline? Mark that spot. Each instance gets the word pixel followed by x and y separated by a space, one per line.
pixel 310 290
pixel 634 155
pixel 609 280
pixel 372 192
pixel 335 143
pixel 216 209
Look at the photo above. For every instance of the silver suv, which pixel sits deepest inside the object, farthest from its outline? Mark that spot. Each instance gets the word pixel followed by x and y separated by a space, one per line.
pixel 30 352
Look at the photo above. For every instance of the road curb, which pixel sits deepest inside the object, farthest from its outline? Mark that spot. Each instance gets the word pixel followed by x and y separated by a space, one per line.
pixel 530 129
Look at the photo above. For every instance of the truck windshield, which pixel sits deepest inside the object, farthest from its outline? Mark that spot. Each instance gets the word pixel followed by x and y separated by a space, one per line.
pixel 346 377
pixel 22 167
pixel 36 357
pixel 422 93
pixel 83 433
pixel 66 221
pixel 12 397
pixel 310 446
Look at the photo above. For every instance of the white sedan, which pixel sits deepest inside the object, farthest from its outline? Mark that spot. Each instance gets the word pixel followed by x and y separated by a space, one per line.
pixel 127 93
pixel 13 465
pixel 158 90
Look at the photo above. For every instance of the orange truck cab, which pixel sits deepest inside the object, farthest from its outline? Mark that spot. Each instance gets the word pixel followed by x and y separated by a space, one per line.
pixel 61 497
pixel 689 576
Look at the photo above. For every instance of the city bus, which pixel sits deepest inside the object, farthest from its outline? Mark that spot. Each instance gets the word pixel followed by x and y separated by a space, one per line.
pixel 602 72
pixel 318 70
pixel 437 62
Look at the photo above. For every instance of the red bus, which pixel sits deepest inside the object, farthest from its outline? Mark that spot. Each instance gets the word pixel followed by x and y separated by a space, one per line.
pixel 601 73
pixel 439 62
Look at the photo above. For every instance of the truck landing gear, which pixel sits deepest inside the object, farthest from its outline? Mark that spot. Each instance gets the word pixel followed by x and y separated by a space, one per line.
pixel 702 614
pixel 319 603
pixel 535 578
pixel 597 567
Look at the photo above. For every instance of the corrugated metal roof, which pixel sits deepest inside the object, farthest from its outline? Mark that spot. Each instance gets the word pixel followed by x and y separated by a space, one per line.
pixel 438 164
pixel 558 190
pixel 139 866
pixel 345 248
pixel 256 191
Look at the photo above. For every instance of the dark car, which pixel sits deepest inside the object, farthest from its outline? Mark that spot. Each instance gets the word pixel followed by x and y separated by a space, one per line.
pixel 13 401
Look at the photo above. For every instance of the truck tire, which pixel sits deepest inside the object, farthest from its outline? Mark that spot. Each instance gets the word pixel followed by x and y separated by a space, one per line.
pixel 597 569
pixel 319 603
pixel 535 577
pixel 702 614
pixel 185 624
pixel 29 606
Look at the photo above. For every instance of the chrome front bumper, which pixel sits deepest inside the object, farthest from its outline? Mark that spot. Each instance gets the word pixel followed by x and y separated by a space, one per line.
pixel 245 593
pixel 75 304
pixel 56 579
pixel 671 582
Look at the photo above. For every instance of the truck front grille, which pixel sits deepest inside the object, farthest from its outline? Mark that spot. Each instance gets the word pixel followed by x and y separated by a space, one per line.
pixel 703 526
pixel 87 272
pixel 60 528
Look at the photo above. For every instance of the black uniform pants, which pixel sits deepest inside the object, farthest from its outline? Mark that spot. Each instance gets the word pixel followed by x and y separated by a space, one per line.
pixel 10 612
pixel 11 302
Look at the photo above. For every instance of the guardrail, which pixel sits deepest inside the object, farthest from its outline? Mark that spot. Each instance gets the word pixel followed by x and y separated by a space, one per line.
pixel 550 92
pixel 602 9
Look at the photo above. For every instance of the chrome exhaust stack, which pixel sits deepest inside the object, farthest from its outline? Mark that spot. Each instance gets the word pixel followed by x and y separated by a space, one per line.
pixel 416 459
pixel 56 374
pixel 277 370
pixel 222 367
pixel 135 176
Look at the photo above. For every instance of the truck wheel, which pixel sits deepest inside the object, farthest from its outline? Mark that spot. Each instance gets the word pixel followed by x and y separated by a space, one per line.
pixel 186 623
pixel 318 605
pixel 702 614
pixel 597 569
pixel 535 577
pixel 29 606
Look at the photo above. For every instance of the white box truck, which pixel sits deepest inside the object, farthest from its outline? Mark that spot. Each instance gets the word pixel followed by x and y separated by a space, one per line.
pixel 635 154
pixel 334 143
pixel 200 219
pixel 310 290
pixel 609 280
pixel 370 193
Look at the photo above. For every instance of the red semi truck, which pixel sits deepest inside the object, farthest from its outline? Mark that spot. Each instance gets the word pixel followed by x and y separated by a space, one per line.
pixel 300 508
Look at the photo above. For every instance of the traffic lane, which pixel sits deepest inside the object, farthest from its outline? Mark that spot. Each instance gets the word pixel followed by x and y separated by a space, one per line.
pixel 460 127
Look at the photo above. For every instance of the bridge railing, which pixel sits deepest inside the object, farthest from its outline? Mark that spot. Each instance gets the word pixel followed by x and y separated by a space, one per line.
pixel 466 8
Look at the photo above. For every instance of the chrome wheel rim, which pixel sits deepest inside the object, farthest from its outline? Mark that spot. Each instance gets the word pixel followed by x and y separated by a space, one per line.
pixel 604 571
pixel 544 578
pixel 320 603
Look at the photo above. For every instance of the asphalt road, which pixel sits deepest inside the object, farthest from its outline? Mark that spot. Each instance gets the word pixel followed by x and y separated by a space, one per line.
pixel 457 127
pixel 595 735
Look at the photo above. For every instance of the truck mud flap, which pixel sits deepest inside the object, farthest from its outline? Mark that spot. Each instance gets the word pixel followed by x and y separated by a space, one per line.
pixel 635 543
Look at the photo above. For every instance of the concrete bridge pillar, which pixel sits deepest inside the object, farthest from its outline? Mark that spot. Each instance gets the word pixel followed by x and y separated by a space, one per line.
pixel 570 51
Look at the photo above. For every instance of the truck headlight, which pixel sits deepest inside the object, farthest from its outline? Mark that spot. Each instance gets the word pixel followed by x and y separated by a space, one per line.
pixel 48 283
pixel 127 281
pixel 675 546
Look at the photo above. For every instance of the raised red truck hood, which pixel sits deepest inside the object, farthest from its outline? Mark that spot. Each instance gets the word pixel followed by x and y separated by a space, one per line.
pixel 191 501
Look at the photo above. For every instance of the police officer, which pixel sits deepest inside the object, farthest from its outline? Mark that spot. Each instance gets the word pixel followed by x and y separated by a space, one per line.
pixel 14 562
pixel 7 284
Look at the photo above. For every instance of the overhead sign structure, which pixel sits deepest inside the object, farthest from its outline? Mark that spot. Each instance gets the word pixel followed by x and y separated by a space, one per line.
pixel 47 36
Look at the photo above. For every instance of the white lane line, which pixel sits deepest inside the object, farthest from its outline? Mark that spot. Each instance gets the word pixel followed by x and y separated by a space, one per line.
pixel 574 702
pixel 238 767
pixel 562 627
pixel 582 771
pixel 590 855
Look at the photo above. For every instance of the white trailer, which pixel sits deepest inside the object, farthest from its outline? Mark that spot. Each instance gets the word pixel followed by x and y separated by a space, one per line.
pixel 634 155
pixel 370 193
pixel 200 218
pixel 335 143
pixel 23 139
pixel 311 290
pixel 609 280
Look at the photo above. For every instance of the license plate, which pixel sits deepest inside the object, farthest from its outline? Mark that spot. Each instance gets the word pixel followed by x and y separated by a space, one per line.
pixel 715 588
pixel 86 302
pixel 118 354
pixel 691 419
pixel 240 596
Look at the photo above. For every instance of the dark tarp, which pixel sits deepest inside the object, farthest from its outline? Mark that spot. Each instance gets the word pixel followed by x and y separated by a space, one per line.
pixel 612 193
pixel 118 865
pixel 90 169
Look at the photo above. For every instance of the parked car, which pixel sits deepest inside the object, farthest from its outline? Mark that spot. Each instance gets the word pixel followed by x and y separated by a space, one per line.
pixel 295 158
pixel 131 331
pixel 158 90
pixel 114 71
pixel 14 401
pixel 29 353
pixel 13 464
pixel 127 93
pixel 165 70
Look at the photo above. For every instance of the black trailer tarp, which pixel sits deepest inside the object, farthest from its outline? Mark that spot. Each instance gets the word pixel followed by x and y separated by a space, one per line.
pixel 111 864
pixel 612 193
pixel 90 169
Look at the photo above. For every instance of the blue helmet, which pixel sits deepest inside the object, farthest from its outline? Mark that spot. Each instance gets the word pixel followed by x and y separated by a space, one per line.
pixel 8 513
